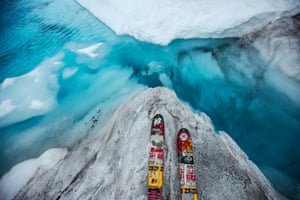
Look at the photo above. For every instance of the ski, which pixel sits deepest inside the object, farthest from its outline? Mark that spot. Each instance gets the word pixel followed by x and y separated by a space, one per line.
pixel 156 159
pixel 186 166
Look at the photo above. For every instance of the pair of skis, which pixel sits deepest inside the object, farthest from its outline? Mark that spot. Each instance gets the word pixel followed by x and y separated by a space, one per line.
pixel 156 162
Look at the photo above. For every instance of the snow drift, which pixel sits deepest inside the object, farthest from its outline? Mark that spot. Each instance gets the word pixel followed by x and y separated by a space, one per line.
pixel 113 164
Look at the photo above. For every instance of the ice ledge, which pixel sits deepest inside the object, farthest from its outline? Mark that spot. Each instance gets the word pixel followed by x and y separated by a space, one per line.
pixel 113 165
pixel 161 22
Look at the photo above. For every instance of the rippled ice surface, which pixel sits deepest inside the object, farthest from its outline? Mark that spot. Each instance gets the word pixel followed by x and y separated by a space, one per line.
pixel 59 65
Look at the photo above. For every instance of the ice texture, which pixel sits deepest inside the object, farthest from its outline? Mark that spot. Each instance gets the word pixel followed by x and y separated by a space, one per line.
pixel 49 106
pixel 90 51
pixel 29 95
pixel 113 163
pixel 279 45
pixel 14 180
pixel 163 21
pixel 248 85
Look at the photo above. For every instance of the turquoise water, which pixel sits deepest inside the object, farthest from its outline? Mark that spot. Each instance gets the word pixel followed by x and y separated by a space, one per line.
pixel 42 49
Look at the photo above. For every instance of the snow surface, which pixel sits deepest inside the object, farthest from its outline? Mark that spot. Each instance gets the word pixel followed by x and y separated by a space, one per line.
pixel 20 174
pixel 113 164
pixel 163 21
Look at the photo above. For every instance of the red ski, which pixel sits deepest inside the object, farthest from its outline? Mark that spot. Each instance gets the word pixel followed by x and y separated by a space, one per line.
pixel 156 159
pixel 186 165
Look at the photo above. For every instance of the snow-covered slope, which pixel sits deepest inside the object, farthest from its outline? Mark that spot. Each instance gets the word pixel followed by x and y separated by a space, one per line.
pixel 20 174
pixel 113 165
pixel 162 21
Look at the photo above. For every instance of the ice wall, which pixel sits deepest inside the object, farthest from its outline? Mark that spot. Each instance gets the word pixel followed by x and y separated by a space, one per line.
pixel 33 31
pixel 161 22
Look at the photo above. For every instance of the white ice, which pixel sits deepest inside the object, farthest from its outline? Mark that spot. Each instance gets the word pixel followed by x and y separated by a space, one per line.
pixel 94 54
pixel 90 51
pixel 20 174
pixel 162 21
pixel 8 82
pixel 278 43
pixel 69 72
pixel 6 107
pixel 29 95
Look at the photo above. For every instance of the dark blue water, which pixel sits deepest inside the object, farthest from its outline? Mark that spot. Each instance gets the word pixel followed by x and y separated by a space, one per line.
pixel 42 46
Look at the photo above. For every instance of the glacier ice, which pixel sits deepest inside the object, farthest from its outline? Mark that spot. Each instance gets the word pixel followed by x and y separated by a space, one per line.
pixel 248 85
pixel 51 95
pixel 163 21
pixel 112 164
pixel 90 50
pixel 278 43
pixel 37 96
pixel 224 78
pixel 12 182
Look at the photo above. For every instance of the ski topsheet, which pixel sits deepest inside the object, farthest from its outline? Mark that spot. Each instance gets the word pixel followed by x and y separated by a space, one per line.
pixel 186 165
pixel 156 160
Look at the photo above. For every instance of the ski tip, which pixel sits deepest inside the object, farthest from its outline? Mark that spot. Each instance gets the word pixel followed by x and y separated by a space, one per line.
pixel 157 116
pixel 158 120
pixel 183 130
pixel 183 135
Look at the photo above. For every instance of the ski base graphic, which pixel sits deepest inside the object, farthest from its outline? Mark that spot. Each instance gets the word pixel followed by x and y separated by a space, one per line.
pixel 186 166
pixel 156 159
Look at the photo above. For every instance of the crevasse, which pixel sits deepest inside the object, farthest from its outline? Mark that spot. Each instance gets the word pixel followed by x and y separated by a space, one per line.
pixel 62 71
